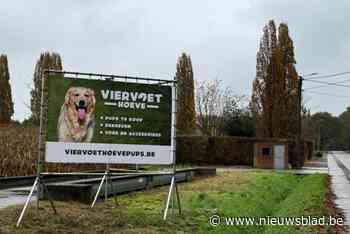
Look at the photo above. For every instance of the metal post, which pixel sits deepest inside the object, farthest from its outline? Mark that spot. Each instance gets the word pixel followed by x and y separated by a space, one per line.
pixel 174 145
pixel 173 149
pixel 114 194
pixel 106 184
pixel 106 189
pixel 27 202
pixel 178 198
pixel 41 135
pixel 49 197
pixel 137 165
pixel 110 179
pixel 172 200
pixel 98 190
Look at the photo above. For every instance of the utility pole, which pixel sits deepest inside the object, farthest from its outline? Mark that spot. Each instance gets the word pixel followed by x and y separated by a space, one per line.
pixel 298 143
pixel 300 89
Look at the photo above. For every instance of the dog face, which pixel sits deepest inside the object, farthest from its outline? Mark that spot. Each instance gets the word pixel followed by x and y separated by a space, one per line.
pixel 81 101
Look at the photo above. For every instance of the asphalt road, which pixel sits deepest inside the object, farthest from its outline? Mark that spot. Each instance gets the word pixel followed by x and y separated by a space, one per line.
pixel 14 196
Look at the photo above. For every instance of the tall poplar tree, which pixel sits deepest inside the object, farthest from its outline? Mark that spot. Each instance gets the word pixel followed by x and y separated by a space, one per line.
pixel 186 114
pixel 262 97
pixel 47 60
pixel 274 98
pixel 6 104
pixel 291 80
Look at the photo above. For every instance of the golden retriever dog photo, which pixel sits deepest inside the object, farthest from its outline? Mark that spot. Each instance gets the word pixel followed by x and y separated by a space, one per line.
pixel 76 121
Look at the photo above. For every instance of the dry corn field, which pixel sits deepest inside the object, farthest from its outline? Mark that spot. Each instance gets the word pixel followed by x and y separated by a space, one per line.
pixel 19 153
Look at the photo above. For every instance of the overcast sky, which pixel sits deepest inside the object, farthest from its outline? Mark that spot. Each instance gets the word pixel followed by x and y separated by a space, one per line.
pixel 144 38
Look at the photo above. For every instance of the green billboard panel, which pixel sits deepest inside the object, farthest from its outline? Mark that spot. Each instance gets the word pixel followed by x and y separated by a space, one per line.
pixel 86 116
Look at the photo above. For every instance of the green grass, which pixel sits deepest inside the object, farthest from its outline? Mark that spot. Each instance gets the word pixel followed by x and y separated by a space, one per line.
pixel 306 199
pixel 256 194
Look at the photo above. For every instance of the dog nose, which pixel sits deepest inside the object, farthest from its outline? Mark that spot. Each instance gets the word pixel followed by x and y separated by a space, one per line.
pixel 81 103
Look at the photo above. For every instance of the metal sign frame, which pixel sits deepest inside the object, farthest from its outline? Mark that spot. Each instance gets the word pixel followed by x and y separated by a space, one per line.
pixel 39 182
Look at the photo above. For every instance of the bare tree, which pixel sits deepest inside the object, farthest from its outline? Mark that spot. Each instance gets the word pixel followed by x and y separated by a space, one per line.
pixel 212 100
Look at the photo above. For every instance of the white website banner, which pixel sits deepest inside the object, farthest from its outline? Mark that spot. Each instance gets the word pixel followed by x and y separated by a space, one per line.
pixel 66 152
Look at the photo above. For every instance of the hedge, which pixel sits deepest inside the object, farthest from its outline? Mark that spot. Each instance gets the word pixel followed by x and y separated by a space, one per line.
pixel 201 150
pixel 19 150
pixel 215 150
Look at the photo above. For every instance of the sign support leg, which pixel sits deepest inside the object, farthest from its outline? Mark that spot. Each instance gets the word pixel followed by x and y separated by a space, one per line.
pixel 98 190
pixel 49 197
pixel 169 197
pixel 178 198
pixel 107 178
pixel 114 192
pixel 27 201
pixel 173 199
pixel 106 187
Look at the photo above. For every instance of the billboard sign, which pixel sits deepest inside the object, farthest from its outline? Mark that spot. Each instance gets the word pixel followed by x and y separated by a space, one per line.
pixel 105 121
